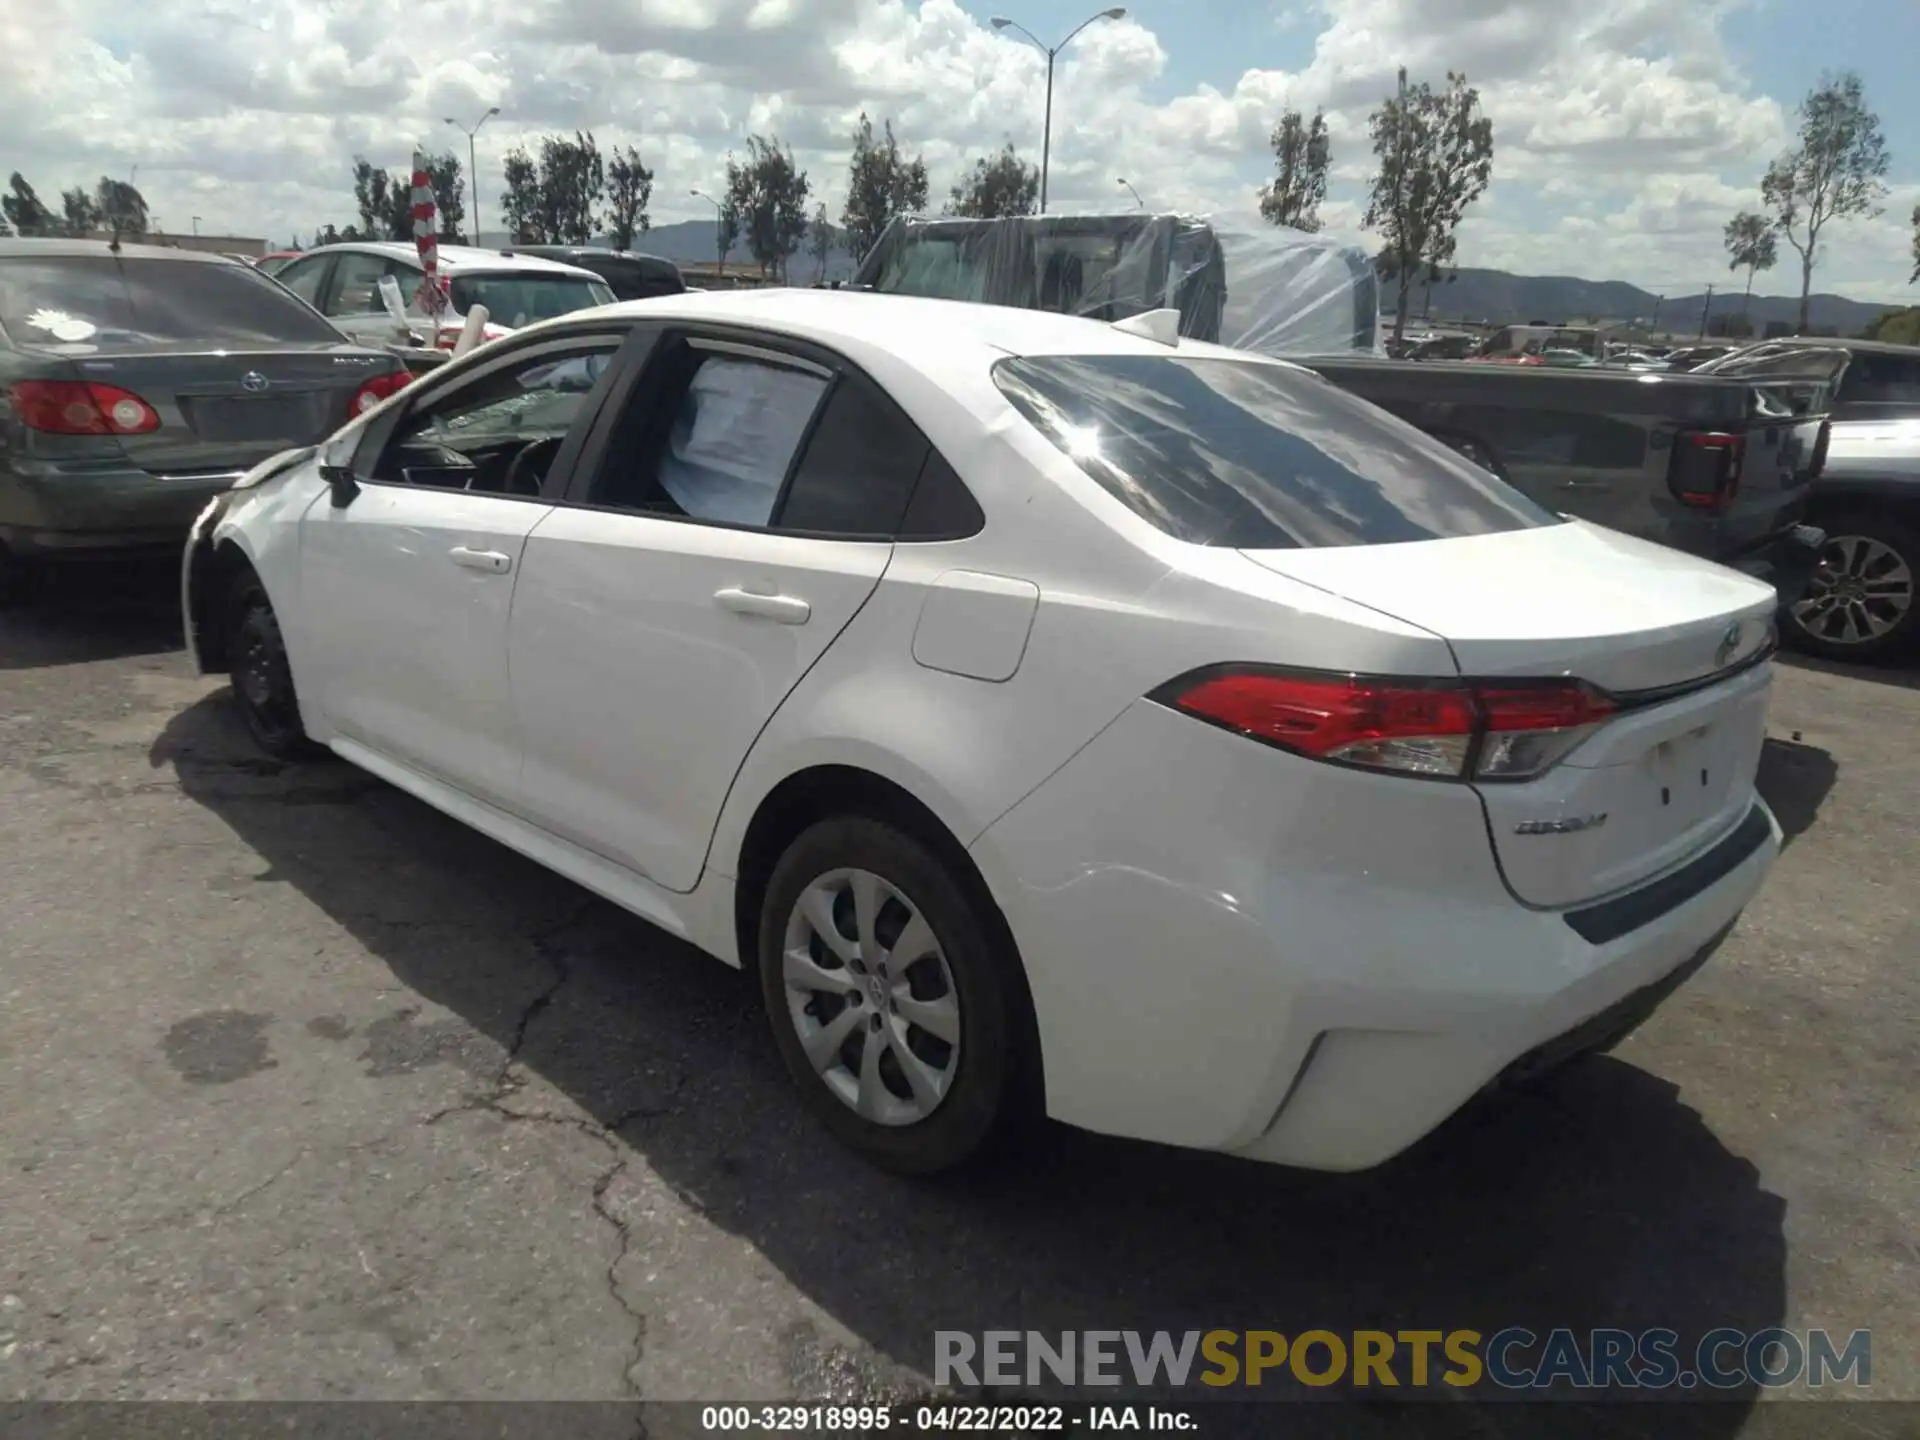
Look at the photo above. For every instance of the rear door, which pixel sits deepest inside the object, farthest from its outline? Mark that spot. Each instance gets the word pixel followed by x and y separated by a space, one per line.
pixel 733 516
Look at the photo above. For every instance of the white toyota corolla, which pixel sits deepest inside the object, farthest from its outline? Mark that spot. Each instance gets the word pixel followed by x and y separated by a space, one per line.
pixel 1053 713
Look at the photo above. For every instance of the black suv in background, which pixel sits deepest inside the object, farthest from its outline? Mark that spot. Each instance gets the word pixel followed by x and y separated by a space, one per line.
pixel 629 275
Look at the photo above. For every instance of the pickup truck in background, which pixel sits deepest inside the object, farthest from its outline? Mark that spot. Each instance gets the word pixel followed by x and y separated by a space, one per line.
pixel 1712 466
pixel 1715 467
pixel 1860 602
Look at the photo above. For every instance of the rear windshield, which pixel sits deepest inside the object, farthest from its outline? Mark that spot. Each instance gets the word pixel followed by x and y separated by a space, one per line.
pixel 104 303
pixel 514 300
pixel 1255 456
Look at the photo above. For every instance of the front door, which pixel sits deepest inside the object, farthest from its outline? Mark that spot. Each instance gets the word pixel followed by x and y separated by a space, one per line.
pixel 661 620
pixel 411 583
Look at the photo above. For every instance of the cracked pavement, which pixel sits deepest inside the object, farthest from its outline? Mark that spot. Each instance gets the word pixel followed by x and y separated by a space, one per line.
pixel 311 1093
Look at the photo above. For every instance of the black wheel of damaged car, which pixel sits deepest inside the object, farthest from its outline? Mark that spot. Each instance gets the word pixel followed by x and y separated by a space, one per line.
pixel 1860 603
pixel 262 677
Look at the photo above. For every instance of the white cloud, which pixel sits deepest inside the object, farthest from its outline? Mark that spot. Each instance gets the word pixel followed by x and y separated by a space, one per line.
pixel 1625 135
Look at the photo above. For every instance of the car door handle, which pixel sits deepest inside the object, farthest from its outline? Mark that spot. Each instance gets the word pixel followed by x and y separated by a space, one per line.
pixel 491 561
pixel 787 609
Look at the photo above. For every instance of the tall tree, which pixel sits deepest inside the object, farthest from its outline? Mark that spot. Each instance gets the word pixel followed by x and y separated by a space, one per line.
pixel 996 186
pixel 24 209
pixel 821 236
pixel 629 189
pixel 573 178
pixel 881 183
pixel 1835 171
pixel 81 214
pixel 768 194
pixel 371 198
pixel 1916 246
pixel 1435 149
pixel 120 208
pixel 1301 155
pixel 1750 242
pixel 448 178
pixel 520 198
pixel 398 224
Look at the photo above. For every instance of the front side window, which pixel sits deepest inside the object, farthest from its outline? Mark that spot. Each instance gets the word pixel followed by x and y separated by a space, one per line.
pixel 499 433
pixel 1255 456
pixel 118 305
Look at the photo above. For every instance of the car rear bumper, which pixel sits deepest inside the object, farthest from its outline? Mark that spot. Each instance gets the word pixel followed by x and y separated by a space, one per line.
pixel 1306 965
pixel 52 513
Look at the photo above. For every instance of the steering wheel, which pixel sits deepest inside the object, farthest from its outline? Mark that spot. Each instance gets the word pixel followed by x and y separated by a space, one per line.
pixel 520 478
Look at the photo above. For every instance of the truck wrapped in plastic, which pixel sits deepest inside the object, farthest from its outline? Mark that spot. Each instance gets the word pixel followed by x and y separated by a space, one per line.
pixel 1263 288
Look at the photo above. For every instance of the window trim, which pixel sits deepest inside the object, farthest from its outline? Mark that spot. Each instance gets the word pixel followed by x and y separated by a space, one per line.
pixel 374 442
pixel 769 347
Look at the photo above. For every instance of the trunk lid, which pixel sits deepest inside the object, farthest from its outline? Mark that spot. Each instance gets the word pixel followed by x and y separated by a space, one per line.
pixel 1671 636
pixel 227 410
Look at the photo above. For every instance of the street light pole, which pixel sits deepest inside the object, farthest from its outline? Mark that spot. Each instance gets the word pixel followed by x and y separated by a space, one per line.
pixel 719 251
pixel 473 166
pixel 1052 52
pixel 1138 202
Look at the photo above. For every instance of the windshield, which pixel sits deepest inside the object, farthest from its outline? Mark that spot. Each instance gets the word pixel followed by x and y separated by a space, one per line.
pixel 91 304
pixel 517 299
pixel 1255 456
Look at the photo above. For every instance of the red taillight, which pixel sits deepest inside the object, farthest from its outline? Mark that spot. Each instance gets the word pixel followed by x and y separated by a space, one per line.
pixel 75 407
pixel 378 389
pixel 1705 470
pixel 1449 729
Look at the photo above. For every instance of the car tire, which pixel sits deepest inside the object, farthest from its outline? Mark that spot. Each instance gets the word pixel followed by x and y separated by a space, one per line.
pixel 1861 603
pixel 846 1007
pixel 261 675
pixel 17 581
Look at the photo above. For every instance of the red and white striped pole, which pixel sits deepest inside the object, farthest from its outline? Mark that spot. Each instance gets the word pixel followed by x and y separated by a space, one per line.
pixel 432 294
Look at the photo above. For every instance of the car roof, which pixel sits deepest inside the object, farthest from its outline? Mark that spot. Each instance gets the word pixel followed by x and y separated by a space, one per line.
pixel 929 335
pixel 455 257
pixel 68 249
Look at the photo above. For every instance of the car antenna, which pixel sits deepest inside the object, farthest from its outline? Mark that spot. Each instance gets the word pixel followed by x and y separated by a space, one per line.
pixel 1161 326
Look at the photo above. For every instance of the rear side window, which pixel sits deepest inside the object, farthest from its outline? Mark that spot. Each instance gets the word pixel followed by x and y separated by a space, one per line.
pixel 117 305
pixel 860 467
pixel 1255 456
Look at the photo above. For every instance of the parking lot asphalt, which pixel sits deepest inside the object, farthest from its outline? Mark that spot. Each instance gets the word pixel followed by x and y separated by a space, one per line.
pixel 309 1092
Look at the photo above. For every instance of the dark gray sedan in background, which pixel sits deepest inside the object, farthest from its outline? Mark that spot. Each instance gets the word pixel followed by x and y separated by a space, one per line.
pixel 136 382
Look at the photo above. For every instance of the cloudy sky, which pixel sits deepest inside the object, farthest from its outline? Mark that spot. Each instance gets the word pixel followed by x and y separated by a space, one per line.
pixel 1626 131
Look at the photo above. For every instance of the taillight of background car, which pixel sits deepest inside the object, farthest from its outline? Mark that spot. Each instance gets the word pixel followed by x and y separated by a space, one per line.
pixel 378 389
pixel 1704 473
pixel 1502 730
pixel 76 407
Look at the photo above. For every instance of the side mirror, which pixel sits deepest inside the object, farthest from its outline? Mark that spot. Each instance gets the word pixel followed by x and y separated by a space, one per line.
pixel 343 488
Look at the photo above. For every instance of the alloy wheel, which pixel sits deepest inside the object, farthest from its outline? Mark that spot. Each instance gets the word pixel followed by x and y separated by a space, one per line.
pixel 871 997
pixel 1862 591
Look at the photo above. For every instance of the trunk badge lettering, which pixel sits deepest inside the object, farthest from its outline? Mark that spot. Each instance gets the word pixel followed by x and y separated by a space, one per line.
pixel 1572 826
pixel 253 382
pixel 1729 645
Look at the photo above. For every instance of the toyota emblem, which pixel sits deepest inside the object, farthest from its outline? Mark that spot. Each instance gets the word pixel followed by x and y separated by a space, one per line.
pixel 253 382
pixel 1729 646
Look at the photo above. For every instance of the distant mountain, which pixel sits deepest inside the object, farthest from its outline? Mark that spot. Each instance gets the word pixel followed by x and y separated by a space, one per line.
pixel 1472 295
pixel 1494 295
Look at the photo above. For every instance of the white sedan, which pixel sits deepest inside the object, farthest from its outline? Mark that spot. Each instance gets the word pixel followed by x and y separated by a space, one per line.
pixel 1059 717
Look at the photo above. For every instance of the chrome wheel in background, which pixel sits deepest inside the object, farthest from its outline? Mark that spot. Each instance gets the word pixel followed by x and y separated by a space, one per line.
pixel 1860 600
